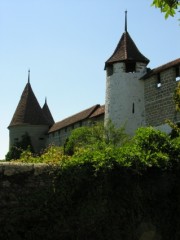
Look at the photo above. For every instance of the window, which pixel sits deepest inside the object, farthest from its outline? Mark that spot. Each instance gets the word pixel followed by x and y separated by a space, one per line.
pixel 158 80
pixel 177 74
pixel 130 67
pixel 133 108
pixel 109 70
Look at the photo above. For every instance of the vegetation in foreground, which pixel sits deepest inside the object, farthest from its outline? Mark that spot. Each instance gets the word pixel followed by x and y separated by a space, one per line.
pixel 103 189
pixel 104 147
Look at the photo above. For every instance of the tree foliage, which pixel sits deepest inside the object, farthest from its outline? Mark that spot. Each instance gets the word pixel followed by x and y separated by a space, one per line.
pixel 177 97
pixel 96 136
pixel 20 146
pixel 103 147
pixel 168 7
pixel 150 148
pixel 175 126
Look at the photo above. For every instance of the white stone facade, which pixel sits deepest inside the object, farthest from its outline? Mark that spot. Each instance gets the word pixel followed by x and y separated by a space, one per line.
pixel 37 133
pixel 124 103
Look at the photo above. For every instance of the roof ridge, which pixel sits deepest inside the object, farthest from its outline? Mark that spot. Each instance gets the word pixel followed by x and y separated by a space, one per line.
pixel 161 67
pixel 84 114
pixel 77 113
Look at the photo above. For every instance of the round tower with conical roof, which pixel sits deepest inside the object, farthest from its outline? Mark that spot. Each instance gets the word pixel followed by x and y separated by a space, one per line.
pixel 29 118
pixel 124 103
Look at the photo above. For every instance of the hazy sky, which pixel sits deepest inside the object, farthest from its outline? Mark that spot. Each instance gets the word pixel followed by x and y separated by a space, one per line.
pixel 65 44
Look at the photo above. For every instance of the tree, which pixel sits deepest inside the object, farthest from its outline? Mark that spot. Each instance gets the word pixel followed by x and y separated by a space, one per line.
pixel 96 136
pixel 19 147
pixel 177 97
pixel 168 7
pixel 175 127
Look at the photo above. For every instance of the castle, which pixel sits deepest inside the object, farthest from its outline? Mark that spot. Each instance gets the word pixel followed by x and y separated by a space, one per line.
pixel 135 96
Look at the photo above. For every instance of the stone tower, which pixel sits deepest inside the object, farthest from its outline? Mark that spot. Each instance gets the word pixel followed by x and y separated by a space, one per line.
pixel 124 103
pixel 30 118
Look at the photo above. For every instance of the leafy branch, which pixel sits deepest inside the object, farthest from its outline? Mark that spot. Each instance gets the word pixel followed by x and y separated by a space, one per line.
pixel 169 7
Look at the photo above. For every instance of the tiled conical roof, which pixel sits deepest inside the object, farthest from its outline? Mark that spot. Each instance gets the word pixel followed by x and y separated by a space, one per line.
pixel 28 110
pixel 48 114
pixel 126 50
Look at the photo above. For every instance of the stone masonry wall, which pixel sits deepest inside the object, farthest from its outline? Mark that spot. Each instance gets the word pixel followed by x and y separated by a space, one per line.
pixel 159 104
pixel 121 206
pixel 17 179
pixel 24 190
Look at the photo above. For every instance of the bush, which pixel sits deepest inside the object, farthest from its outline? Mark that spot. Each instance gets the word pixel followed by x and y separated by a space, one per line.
pixel 95 137
pixel 18 148
pixel 150 148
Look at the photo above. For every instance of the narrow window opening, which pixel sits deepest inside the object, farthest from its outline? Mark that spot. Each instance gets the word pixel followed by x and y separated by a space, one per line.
pixel 133 108
pixel 158 80
pixel 130 67
pixel 177 74
pixel 109 70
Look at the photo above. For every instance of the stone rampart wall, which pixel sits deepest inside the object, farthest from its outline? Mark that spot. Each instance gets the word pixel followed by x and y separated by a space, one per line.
pixel 113 205
pixel 17 180
pixel 159 104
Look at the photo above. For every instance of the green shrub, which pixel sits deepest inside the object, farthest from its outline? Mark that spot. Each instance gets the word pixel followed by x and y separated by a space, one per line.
pixel 150 148
pixel 94 137
pixel 51 155
pixel 17 149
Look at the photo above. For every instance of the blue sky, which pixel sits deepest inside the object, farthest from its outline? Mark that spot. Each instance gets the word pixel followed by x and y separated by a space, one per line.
pixel 65 44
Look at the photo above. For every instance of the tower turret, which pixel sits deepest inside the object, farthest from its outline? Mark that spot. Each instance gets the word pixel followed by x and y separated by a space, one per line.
pixel 47 114
pixel 124 91
pixel 29 119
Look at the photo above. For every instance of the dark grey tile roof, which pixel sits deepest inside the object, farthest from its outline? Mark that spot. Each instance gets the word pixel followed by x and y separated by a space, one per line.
pixel 126 50
pixel 28 110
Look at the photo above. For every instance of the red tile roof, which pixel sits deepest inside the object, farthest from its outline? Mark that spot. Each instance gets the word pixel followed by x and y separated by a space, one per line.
pixel 28 110
pixel 99 111
pixel 85 114
pixel 126 50
pixel 48 114
pixel 173 63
